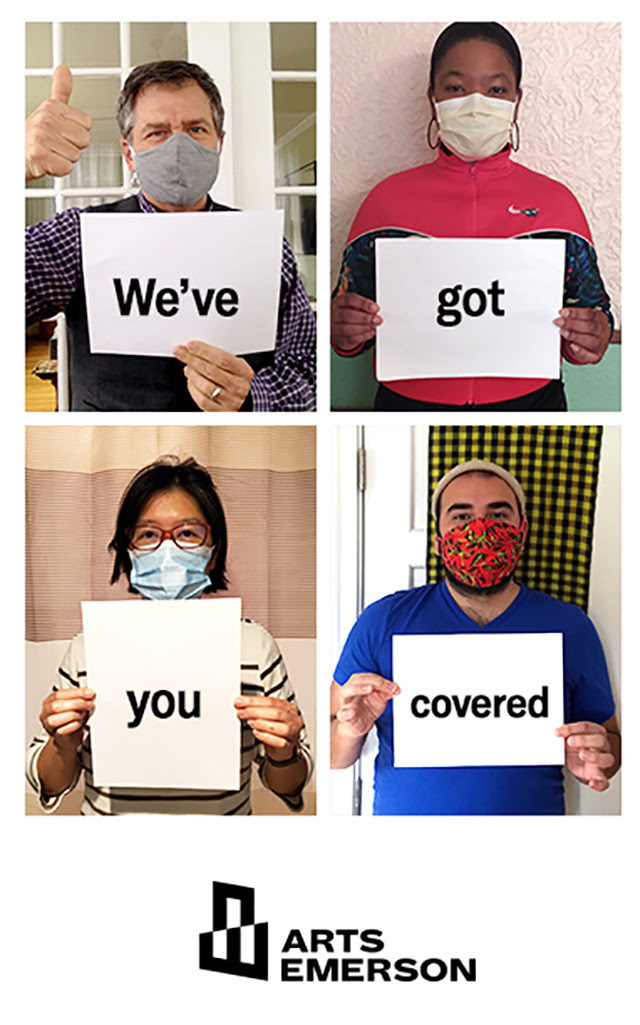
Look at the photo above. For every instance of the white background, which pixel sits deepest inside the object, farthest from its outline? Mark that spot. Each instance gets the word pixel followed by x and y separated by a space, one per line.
pixel 102 918
pixel 146 658
pixel 239 251
pixel 464 665
pixel 412 274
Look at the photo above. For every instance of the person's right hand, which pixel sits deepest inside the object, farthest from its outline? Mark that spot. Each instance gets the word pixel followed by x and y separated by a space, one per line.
pixel 218 381
pixel 56 133
pixel 65 712
pixel 362 700
pixel 354 320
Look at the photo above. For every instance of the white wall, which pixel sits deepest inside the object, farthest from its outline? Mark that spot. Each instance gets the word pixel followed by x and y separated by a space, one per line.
pixel 605 604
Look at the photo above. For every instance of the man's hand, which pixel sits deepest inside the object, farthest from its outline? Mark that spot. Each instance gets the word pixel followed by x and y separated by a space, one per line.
pixel 354 709
pixel 585 333
pixel 218 381
pixel 588 753
pixel 55 133
pixel 64 714
pixel 275 723
pixel 354 320
pixel 361 701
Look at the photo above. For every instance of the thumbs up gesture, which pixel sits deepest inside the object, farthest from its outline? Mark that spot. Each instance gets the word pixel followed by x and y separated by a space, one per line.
pixel 56 133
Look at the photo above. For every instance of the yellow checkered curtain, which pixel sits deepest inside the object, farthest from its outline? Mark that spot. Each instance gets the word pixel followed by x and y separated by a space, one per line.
pixel 558 469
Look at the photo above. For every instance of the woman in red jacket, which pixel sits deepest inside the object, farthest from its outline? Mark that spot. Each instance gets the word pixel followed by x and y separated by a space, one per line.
pixel 473 190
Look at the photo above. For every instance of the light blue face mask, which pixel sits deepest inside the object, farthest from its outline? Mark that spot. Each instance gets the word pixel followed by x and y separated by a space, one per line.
pixel 179 172
pixel 170 572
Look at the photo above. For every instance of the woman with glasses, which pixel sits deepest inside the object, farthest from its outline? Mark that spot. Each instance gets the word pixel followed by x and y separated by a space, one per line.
pixel 170 542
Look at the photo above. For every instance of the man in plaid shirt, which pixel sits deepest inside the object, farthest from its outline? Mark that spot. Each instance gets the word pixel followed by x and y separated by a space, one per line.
pixel 171 116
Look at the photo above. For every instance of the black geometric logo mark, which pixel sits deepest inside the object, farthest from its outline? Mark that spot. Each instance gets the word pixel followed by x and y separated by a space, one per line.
pixel 231 941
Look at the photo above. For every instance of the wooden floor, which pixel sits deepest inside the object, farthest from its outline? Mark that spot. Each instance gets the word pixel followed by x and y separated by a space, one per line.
pixel 40 395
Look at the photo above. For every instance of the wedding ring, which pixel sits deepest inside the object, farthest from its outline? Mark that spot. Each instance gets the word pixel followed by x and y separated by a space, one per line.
pixel 216 391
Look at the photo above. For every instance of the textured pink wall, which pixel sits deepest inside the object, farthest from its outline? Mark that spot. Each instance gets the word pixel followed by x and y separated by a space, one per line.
pixel 569 117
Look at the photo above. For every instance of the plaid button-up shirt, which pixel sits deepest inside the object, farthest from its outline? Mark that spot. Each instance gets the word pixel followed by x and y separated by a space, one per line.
pixel 54 271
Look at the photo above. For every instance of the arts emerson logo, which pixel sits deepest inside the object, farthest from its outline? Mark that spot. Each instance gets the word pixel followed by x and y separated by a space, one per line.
pixel 238 945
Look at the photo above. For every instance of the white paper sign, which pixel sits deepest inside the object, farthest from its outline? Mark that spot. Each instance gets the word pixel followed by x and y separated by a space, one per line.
pixel 165 674
pixel 153 282
pixel 468 307
pixel 478 699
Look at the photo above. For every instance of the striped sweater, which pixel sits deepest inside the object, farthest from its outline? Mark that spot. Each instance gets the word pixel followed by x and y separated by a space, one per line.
pixel 262 672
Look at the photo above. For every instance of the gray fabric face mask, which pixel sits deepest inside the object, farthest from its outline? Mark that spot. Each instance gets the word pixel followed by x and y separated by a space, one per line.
pixel 179 172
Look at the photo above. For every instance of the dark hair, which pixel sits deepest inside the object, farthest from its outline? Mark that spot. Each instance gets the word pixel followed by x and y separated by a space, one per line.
pixel 490 31
pixel 166 474
pixel 169 73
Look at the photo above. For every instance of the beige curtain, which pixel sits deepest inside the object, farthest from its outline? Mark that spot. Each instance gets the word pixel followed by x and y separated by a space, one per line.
pixel 265 476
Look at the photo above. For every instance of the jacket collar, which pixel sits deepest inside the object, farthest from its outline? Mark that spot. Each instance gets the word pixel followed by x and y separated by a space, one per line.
pixel 495 166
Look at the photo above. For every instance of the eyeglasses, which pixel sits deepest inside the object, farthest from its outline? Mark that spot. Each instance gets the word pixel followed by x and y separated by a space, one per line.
pixel 186 535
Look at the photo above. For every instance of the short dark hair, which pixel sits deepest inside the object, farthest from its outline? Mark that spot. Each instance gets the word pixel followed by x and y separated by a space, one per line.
pixel 169 473
pixel 172 74
pixel 491 31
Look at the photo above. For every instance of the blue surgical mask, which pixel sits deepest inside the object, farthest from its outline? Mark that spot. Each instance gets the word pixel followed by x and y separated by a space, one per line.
pixel 179 172
pixel 170 572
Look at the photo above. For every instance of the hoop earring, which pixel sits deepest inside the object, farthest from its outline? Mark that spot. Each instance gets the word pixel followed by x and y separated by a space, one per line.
pixel 515 142
pixel 430 144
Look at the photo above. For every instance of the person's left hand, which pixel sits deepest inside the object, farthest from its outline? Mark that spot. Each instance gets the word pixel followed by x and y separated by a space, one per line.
pixel 587 752
pixel 585 334
pixel 274 722
pixel 217 381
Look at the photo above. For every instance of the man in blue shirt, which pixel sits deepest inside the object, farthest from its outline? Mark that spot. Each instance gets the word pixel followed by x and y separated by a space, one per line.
pixel 480 512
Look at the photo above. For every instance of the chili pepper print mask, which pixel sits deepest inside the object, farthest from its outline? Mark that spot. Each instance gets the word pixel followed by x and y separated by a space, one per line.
pixel 482 553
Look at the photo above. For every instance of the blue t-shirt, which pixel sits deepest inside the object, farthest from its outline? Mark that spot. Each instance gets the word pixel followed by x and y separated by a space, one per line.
pixel 480 790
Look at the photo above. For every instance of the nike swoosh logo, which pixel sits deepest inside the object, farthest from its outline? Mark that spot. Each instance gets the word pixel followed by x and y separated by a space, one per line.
pixel 529 211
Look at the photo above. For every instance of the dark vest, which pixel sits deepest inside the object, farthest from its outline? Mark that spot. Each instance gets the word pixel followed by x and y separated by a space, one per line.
pixel 128 383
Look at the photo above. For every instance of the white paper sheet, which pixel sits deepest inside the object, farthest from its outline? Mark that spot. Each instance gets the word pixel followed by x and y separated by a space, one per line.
pixel 457 666
pixel 190 650
pixel 517 282
pixel 177 260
